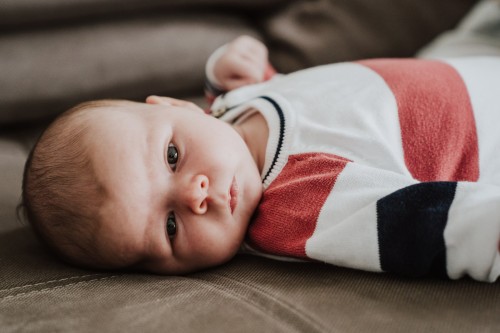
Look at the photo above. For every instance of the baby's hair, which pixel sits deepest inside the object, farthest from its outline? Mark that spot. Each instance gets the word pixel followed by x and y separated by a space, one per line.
pixel 61 195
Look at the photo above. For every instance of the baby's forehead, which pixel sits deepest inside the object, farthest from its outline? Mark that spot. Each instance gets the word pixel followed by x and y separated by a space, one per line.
pixel 111 116
pixel 112 108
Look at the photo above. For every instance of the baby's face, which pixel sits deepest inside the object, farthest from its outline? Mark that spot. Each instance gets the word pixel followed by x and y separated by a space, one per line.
pixel 182 187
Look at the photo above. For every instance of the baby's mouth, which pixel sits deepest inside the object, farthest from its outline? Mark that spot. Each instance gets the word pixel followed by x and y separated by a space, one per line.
pixel 233 195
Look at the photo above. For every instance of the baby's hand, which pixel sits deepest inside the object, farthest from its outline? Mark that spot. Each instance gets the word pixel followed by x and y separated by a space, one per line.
pixel 243 62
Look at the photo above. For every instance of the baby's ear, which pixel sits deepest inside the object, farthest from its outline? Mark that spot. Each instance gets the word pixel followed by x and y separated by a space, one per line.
pixel 159 100
pixel 169 101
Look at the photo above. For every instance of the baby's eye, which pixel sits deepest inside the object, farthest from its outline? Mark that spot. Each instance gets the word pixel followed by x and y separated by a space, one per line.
pixel 172 156
pixel 171 226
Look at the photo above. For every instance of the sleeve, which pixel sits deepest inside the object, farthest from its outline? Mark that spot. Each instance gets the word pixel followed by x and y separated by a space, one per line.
pixel 370 219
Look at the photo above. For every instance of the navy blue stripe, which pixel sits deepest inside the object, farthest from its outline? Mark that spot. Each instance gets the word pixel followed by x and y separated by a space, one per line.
pixel 410 226
pixel 282 134
pixel 281 130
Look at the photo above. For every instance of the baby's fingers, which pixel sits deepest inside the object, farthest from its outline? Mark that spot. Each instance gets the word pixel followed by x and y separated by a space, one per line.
pixel 242 70
pixel 245 77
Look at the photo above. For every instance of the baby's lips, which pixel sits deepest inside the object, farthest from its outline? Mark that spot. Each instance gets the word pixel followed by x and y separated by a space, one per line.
pixel 233 195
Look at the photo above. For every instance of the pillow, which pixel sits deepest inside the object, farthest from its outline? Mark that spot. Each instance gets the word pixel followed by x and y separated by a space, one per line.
pixel 47 71
pixel 307 33
pixel 36 12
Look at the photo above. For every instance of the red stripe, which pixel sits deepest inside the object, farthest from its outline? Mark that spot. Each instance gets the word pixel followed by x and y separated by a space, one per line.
pixel 287 215
pixel 436 118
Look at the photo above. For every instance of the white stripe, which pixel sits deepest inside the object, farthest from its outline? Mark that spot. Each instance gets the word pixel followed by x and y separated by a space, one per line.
pixel 346 231
pixel 473 231
pixel 348 110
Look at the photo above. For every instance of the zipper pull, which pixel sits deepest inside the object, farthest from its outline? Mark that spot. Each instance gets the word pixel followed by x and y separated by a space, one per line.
pixel 219 112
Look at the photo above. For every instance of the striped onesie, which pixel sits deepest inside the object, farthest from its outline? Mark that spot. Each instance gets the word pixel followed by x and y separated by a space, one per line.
pixel 385 165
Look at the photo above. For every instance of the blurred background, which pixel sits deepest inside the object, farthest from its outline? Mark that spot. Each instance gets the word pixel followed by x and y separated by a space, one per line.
pixel 56 53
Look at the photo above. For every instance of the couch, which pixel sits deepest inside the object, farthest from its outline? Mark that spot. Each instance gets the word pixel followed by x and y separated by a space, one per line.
pixel 54 54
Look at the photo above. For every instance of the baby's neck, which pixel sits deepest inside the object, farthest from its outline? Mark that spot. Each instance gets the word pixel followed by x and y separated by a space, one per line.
pixel 255 133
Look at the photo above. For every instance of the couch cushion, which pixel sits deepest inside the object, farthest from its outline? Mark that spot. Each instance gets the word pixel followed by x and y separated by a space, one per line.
pixel 249 294
pixel 308 33
pixel 477 34
pixel 12 157
pixel 46 71
pixel 14 13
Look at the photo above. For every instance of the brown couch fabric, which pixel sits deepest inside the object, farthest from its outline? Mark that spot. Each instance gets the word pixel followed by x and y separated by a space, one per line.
pixel 247 295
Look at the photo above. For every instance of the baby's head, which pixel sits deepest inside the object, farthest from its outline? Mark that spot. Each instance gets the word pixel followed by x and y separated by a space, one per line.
pixel 159 186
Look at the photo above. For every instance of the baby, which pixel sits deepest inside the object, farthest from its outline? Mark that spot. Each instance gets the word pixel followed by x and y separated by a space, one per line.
pixel 160 186
pixel 380 165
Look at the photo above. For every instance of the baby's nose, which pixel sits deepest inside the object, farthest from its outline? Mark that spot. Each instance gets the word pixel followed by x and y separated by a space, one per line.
pixel 196 194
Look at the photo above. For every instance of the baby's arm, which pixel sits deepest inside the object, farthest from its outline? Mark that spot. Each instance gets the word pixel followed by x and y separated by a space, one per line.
pixel 242 62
